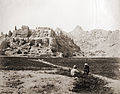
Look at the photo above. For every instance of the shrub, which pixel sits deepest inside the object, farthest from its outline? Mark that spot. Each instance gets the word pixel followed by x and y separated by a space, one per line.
pixel 2 52
pixel 32 42
pixel 91 84
pixel 4 45
pixel 19 51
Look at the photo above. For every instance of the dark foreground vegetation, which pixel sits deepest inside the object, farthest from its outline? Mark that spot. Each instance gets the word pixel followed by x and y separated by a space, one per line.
pixel 87 84
pixel 22 63
pixel 92 85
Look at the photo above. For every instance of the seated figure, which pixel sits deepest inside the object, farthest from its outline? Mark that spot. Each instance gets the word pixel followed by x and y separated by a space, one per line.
pixel 86 69
pixel 74 71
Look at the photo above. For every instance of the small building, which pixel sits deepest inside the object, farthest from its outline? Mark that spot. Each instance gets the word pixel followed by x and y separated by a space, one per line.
pixel 21 33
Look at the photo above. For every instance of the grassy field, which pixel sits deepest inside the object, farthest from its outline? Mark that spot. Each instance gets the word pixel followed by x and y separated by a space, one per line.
pixel 29 71
pixel 108 67
pixel 22 63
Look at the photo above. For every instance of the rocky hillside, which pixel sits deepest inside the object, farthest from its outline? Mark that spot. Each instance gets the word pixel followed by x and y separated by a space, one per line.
pixel 42 41
pixel 97 42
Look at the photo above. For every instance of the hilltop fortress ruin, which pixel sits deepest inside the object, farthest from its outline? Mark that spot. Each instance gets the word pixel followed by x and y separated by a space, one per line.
pixel 42 41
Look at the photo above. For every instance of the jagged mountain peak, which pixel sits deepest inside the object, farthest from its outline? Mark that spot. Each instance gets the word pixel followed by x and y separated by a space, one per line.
pixel 78 28
pixel 76 32
pixel 99 42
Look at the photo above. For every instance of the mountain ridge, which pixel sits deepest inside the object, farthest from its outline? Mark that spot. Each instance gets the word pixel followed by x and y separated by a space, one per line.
pixel 97 42
pixel 78 42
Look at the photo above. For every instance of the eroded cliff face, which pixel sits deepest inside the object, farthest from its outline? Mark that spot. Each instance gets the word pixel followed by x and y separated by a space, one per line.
pixel 42 41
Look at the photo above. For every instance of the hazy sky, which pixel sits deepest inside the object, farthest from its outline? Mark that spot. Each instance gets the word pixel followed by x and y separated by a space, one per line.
pixel 65 14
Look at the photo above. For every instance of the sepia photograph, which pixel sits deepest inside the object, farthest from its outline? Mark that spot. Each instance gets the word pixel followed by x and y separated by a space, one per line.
pixel 59 46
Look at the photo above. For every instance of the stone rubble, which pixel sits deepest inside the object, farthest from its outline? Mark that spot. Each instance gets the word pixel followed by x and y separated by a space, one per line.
pixel 42 41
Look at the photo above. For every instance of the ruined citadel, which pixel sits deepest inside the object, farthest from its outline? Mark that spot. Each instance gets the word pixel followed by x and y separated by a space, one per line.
pixel 46 42
pixel 39 42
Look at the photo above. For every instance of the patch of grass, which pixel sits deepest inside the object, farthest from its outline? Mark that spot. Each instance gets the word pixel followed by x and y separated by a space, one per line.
pixel 87 84
pixel 14 83
pixel 21 63
pixel 61 71
pixel 45 89
pixel 102 66
pixel 91 85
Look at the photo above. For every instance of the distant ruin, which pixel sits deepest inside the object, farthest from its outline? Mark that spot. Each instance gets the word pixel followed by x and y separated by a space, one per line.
pixel 42 41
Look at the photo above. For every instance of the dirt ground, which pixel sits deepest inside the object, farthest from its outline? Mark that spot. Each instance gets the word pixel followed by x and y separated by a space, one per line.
pixel 34 82
pixel 53 81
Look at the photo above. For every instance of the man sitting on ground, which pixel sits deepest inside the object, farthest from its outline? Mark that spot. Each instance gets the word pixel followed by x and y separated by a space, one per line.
pixel 86 69
pixel 75 72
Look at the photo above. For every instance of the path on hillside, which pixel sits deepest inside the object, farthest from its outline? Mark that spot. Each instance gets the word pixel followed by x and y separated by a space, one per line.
pixel 114 84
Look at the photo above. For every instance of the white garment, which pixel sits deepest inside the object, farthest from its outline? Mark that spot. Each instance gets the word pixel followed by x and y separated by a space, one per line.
pixel 74 72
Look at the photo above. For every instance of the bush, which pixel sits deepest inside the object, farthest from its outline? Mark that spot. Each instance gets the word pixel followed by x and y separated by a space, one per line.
pixel 91 84
pixel 32 42
pixel 67 53
pixel 54 49
pixel 2 52
pixel 4 45
pixel 19 51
